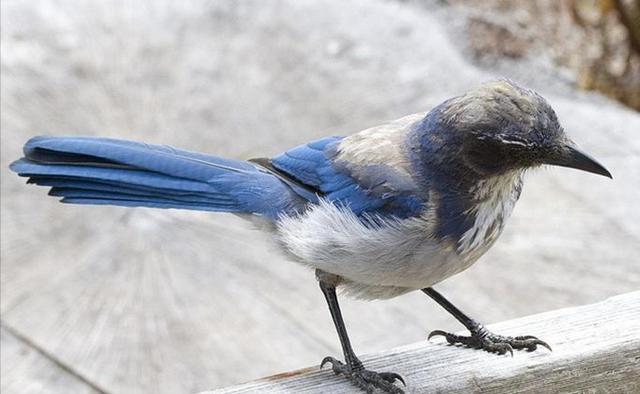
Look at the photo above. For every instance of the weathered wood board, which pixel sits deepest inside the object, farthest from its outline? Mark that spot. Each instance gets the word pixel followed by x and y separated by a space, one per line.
pixel 25 370
pixel 596 349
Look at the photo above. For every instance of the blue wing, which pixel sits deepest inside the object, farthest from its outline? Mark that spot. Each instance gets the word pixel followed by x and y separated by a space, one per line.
pixel 358 187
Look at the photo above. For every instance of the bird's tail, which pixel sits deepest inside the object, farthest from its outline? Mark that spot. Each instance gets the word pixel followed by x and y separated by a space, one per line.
pixel 89 170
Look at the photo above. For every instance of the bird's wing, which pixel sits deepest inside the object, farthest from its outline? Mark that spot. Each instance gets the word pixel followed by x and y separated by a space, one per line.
pixel 369 172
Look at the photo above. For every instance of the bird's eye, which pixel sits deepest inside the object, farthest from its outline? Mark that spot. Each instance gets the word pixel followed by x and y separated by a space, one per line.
pixel 484 155
pixel 512 140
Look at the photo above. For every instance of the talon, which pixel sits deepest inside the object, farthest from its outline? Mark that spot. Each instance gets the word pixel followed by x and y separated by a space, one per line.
pixel 497 347
pixel 392 377
pixel 435 333
pixel 543 344
pixel 325 360
pixel 509 348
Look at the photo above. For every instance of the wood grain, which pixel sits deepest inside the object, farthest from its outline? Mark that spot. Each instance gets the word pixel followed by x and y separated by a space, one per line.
pixel 596 349
pixel 23 369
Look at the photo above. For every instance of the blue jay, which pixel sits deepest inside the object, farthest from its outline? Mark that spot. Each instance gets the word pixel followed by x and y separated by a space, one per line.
pixel 389 210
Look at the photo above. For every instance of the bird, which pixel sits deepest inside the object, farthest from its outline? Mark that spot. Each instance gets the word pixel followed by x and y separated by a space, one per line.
pixel 392 209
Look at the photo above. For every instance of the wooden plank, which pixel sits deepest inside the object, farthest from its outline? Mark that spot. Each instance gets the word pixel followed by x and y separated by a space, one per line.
pixel 596 349
pixel 26 370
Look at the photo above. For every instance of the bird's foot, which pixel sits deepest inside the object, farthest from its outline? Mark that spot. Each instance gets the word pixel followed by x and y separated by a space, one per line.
pixel 481 338
pixel 365 379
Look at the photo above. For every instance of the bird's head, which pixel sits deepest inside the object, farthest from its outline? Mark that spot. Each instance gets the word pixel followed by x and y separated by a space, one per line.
pixel 501 126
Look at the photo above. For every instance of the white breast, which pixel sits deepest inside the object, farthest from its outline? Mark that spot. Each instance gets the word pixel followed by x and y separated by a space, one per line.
pixel 396 255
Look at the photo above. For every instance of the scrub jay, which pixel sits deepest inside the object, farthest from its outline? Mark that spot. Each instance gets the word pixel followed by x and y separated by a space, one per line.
pixel 389 210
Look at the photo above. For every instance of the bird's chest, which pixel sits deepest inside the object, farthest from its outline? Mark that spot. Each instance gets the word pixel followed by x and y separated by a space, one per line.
pixel 403 253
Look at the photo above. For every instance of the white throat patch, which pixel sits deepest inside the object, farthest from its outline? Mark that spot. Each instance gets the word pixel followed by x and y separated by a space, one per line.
pixel 495 198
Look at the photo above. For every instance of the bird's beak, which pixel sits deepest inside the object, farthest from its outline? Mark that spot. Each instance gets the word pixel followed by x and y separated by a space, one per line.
pixel 572 157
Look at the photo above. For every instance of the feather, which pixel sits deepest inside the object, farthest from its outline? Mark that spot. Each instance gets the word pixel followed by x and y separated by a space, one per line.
pixel 87 170
pixel 366 172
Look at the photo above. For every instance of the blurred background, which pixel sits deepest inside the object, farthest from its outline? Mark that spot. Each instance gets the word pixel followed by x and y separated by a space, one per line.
pixel 116 300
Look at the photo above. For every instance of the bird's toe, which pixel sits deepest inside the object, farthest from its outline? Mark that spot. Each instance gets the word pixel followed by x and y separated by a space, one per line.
pixel 366 380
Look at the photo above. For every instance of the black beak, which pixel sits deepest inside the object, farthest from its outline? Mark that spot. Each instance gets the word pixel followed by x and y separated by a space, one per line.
pixel 572 157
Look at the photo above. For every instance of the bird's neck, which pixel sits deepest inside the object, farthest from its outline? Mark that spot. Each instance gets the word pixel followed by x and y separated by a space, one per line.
pixel 490 203
pixel 470 208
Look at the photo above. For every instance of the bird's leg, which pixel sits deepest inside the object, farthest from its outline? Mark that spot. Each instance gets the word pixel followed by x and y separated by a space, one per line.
pixel 352 368
pixel 480 337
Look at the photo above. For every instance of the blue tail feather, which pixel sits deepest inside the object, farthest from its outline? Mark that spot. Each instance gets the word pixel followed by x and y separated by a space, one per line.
pixel 87 170
pixel 131 176
pixel 106 186
pixel 135 203
pixel 157 158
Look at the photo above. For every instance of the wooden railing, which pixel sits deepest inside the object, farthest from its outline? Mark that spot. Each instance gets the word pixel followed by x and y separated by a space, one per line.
pixel 596 349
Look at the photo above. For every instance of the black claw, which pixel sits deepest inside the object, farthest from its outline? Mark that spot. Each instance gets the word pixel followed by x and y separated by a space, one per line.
pixel 543 344
pixel 391 377
pixel 508 348
pixel 337 367
pixel 436 333
pixel 327 359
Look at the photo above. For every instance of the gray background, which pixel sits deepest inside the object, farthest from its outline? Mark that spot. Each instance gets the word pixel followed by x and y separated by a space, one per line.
pixel 140 300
